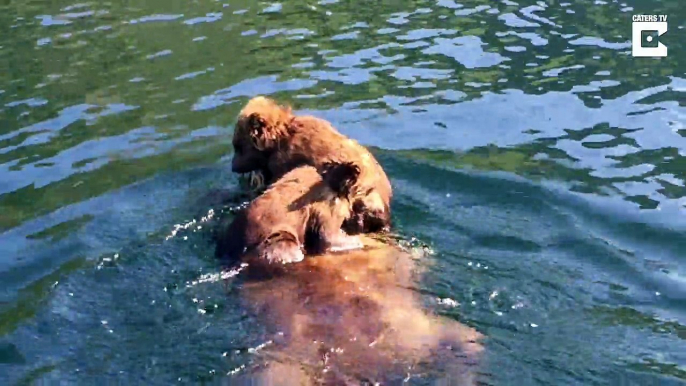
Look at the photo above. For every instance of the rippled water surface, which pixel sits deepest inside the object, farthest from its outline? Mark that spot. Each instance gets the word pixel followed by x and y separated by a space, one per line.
pixel 542 162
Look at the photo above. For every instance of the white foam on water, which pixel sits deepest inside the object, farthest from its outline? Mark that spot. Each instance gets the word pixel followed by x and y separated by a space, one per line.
pixel 217 276
pixel 179 227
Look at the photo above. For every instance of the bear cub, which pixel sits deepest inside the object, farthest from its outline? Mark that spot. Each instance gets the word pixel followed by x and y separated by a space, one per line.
pixel 269 140
pixel 301 213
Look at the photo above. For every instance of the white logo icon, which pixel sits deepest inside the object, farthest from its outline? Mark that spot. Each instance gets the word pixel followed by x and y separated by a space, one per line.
pixel 646 31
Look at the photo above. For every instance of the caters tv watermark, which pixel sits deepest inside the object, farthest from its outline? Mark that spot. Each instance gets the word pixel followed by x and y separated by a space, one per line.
pixel 646 31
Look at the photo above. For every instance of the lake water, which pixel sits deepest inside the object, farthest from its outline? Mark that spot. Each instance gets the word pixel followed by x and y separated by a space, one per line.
pixel 541 162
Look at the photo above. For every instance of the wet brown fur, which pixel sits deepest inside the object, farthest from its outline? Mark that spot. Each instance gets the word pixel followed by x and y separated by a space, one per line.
pixel 270 140
pixel 300 213
pixel 352 317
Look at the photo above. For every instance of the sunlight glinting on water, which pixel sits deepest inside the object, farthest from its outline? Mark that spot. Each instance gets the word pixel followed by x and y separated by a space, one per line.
pixel 178 227
pixel 215 277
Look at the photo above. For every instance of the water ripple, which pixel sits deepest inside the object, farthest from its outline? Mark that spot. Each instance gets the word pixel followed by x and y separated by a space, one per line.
pixel 156 18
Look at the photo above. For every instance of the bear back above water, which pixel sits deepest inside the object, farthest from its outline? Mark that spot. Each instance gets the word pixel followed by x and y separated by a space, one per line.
pixel 300 213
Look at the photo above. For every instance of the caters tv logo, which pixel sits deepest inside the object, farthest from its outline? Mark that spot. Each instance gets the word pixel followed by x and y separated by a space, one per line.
pixel 646 31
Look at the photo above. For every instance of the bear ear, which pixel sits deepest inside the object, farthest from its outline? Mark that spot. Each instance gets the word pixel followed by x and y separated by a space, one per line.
pixel 341 177
pixel 257 128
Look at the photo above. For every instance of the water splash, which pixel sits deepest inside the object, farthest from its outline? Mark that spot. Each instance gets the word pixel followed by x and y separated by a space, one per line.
pixel 236 370
pixel 215 277
pixel 107 261
pixel 256 349
pixel 415 247
pixel 178 227
pixel 447 302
